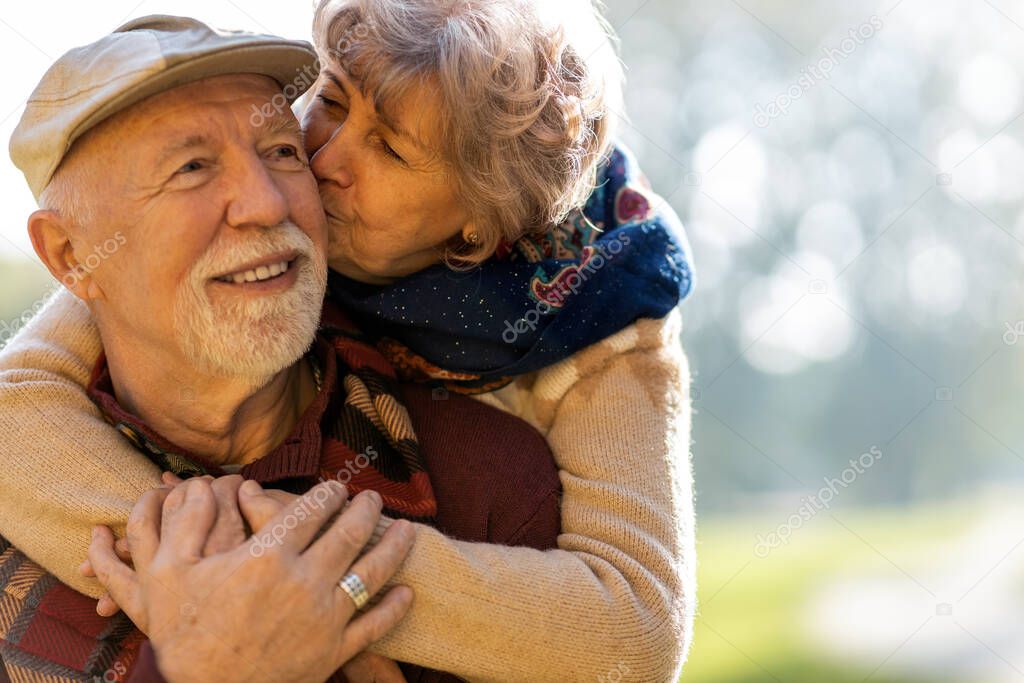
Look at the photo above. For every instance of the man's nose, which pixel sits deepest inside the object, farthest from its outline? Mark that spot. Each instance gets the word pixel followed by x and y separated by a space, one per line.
pixel 332 161
pixel 257 198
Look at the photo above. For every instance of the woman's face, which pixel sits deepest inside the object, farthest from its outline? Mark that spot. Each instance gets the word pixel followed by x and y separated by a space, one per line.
pixel 390 202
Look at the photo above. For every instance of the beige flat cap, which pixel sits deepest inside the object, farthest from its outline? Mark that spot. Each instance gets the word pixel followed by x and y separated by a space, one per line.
pixel 142 58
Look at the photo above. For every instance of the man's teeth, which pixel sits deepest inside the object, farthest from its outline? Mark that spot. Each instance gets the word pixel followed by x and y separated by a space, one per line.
pixel 257 274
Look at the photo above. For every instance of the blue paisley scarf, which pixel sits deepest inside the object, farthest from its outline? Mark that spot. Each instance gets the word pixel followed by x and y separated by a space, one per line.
pixel 535 302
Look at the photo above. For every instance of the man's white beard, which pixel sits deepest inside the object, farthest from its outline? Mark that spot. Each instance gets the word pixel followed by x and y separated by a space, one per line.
pixel 251 339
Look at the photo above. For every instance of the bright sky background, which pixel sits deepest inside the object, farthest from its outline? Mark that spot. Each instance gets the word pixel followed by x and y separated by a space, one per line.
pixel 34 34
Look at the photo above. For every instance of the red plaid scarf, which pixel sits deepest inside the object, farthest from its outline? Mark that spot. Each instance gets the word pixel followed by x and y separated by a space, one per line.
pixel 48 632
pixel 356 430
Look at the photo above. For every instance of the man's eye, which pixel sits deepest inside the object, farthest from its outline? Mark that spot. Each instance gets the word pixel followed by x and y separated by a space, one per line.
pixel 290 154
pixel 191 167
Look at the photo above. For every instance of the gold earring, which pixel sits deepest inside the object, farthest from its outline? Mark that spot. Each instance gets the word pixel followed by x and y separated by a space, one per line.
pixel 473 238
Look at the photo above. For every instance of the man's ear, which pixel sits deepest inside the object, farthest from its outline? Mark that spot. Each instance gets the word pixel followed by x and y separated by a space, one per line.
pixel 51 238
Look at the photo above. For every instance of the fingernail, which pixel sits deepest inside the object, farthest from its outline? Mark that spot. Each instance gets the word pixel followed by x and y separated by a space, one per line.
pixel 375 497
pixel 95 532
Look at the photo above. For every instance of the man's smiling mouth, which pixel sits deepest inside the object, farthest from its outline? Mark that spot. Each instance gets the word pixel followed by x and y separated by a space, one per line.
pixel 257 274
pixel 269 267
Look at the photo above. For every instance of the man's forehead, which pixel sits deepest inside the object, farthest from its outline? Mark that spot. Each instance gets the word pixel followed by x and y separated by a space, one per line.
pixel 215 88
pixel 186 116
pixel 215 120
pixel 196 102
pixel 197 122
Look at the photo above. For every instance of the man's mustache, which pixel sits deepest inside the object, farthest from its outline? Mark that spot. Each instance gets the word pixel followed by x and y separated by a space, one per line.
pixel 222 258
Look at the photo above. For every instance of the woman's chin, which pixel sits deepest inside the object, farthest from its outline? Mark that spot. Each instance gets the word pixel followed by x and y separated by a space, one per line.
pixel 354 271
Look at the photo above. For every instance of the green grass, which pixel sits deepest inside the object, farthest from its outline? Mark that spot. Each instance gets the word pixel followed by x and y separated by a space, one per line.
pixel 750 624
pixel 22 283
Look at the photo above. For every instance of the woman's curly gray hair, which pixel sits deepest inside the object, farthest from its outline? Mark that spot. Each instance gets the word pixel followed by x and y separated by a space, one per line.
pixel 528 92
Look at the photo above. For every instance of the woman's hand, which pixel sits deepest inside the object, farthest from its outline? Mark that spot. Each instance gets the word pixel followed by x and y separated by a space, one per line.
pixel 229 530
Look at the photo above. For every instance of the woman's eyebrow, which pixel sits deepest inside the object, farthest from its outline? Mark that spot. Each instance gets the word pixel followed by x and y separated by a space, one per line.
pixel 386 118
pixel 337 81
pixel 392 123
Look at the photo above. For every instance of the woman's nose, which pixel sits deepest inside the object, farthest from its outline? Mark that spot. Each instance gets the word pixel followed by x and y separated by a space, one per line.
pixel 332 160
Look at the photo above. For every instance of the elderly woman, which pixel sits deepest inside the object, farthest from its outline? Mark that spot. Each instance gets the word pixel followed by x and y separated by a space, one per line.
pixel 489 237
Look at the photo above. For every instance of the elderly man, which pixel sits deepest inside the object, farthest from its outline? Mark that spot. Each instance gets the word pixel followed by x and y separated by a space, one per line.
pixel 216 359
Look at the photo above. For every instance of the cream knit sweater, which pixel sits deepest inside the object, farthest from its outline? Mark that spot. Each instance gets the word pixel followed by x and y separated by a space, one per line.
pixel 615 601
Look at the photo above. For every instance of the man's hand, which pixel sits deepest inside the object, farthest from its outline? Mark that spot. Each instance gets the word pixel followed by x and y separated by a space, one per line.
pixel 259 611
pixel 259 506
pixel 368 667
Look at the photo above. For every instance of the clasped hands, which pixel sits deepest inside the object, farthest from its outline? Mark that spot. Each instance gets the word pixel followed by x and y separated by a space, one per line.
pixel 233 582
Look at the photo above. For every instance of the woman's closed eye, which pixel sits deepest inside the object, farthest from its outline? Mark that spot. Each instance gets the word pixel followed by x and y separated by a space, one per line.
pixel 330 103
pixel 339 109
pixel 390 151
